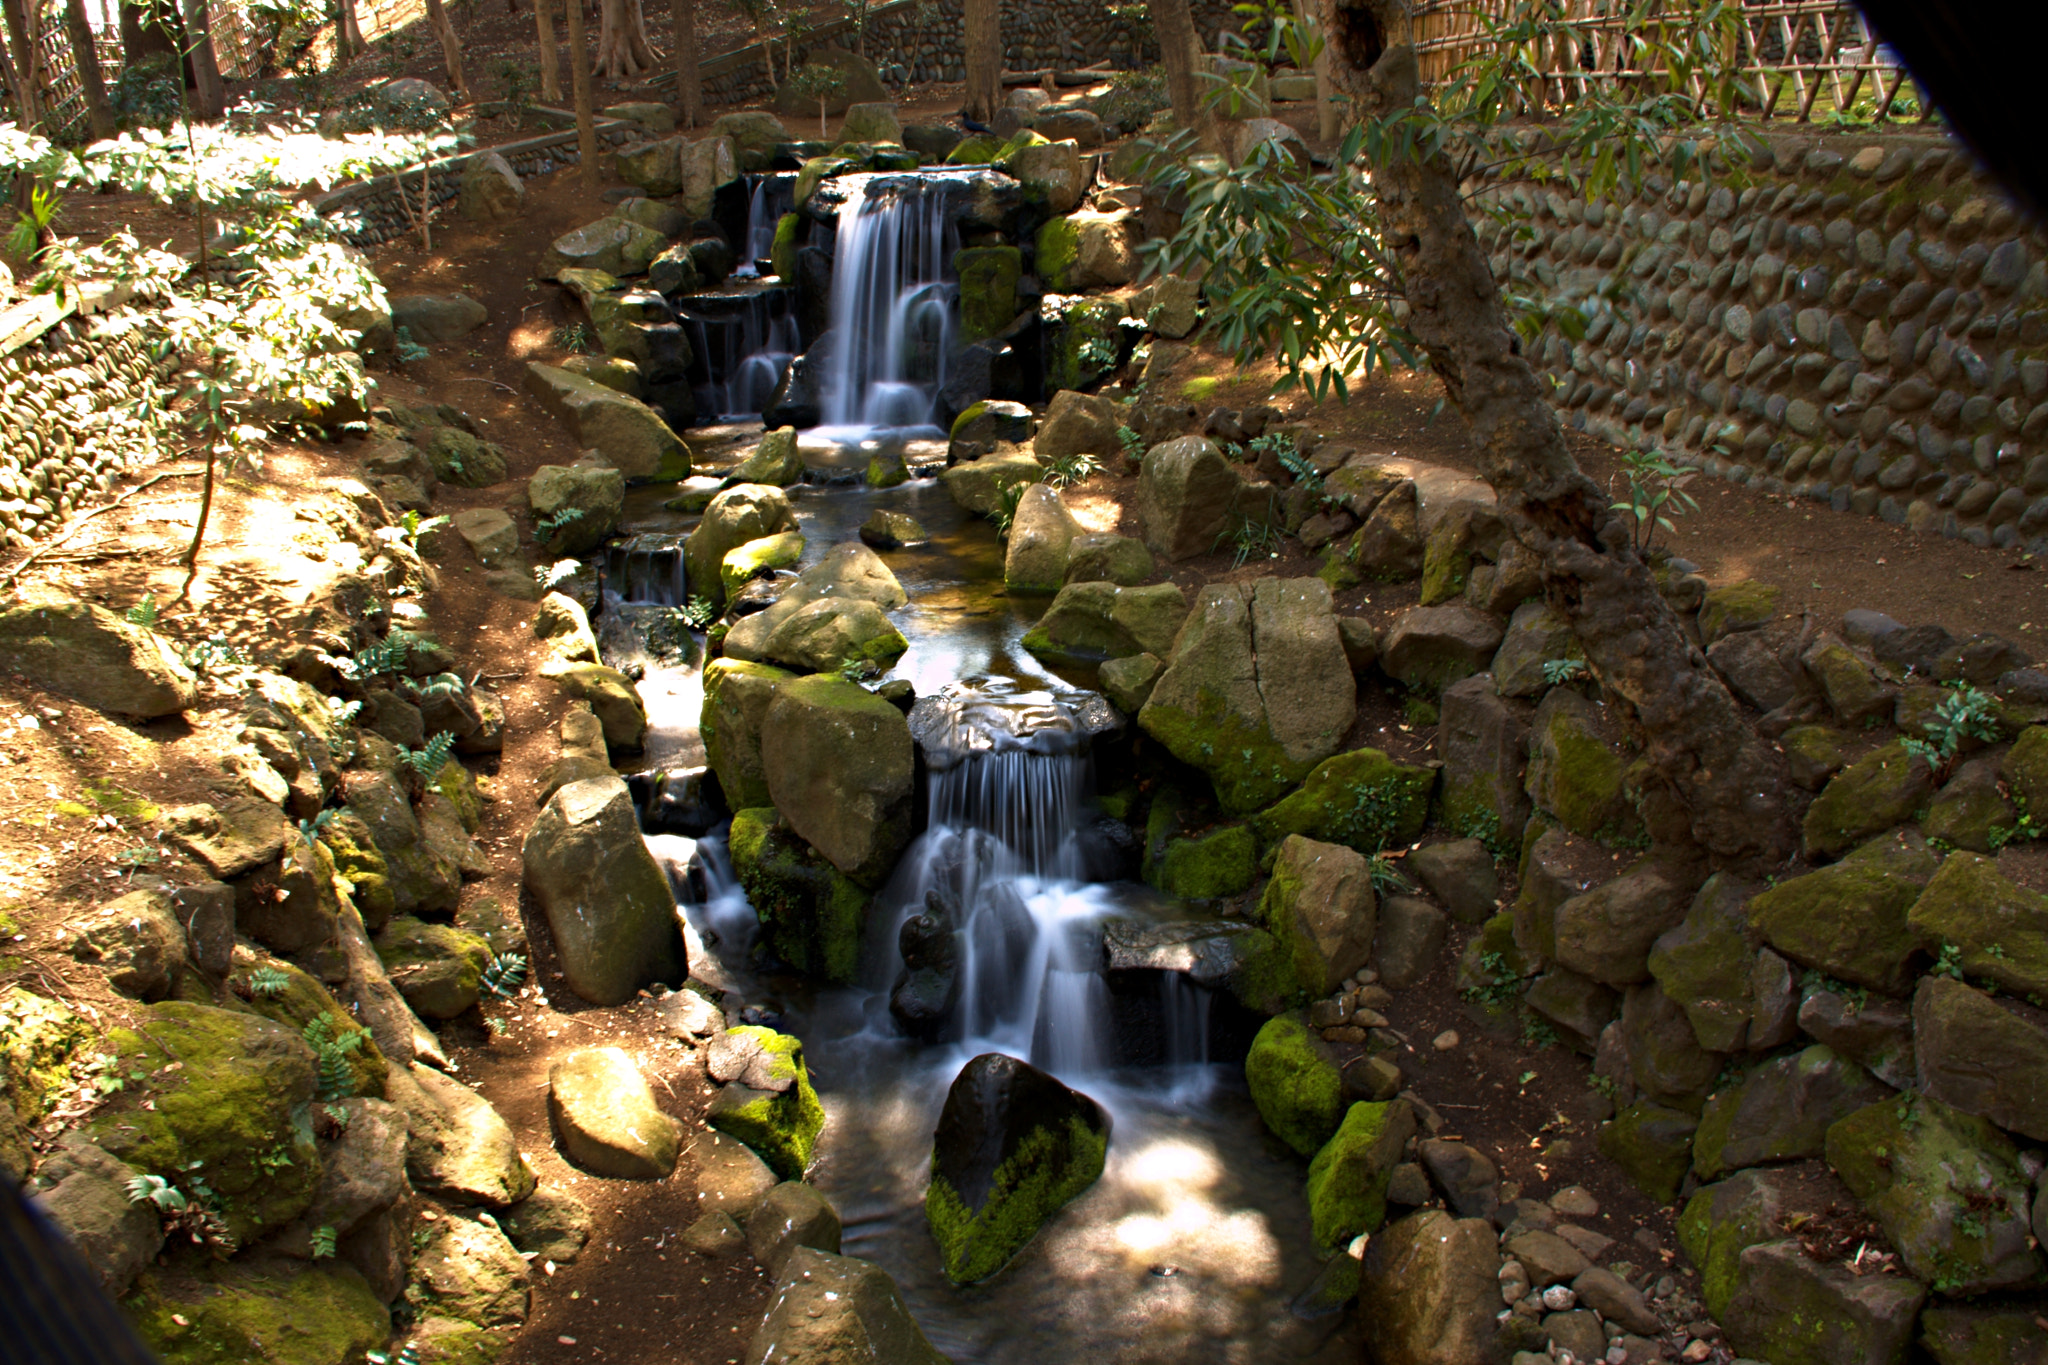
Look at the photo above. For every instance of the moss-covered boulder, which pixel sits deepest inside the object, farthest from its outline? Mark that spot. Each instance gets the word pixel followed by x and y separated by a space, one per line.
pixel 1850 920
pixel 221 1089
pixel 1578 768
pixel 1042 531
pixel 1255 694
pixel 467 1271
pixel 1110 558
pixel 981 486
pixel 1998 928
pixel 1982 1334
pixel 1737 606
pixel 457 1148
pixel 1013 1147
pixel 1537 635
pixel 988 289
pixel 1084 340
pixel 1882 789
pixel 737 515
pixel 824 635
pixel 1607 933
pixel 1295 1082
pixel 736 699
pixel 607 901
pixel 811 913
pixel 286 995
pixel 1187 493
pixel 438 968
pixel 1780 1111
pixel 1101 620
pixel 1815 753
pixel 1652 1143
pixel 627 434
pixel 40 1043
pixel 1128 682
pixel 1790 1309
pixel 839 763
pixel 1707 961
pixel 1362 799
pixel 80 650
pixel 773 1109
pixel 1221 863
pixel 1347 1180
pixel 774 463
pixel 1946 1187
pixel 1983 1054
pixel 1429 1287
pixel 1482 740
pixel 1970 811
pixel 198 1311
pixel 1320 905
pixel 1725 1219
pixel 2025 768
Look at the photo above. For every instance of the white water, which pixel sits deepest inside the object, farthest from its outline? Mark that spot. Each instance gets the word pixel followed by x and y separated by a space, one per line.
pixel 892 304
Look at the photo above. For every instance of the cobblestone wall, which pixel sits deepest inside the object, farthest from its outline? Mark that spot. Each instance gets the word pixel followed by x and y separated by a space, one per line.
pixel 79 404
pixel 1863 323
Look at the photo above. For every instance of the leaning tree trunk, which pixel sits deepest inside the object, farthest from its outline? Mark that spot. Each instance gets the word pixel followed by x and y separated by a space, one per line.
pixel 579 81
pixel 1729 784
pixel 689 84
pixel 983 45
pixel 85 56
pixel 623 51
pixel 209 95
pixel 451 47
pixel 550 69
pixel 1179 48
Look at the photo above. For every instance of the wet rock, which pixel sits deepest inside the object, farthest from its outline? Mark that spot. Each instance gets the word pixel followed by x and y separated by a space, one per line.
pixel 737 695
pixel 607 901
pixel 1295 1082
pixel 1348 1178
pixel 1850 920
pixel 780 1118
pixel 833 1308
pixel 1186 494
pixel 823 635
pixel 458 1147
pixel 1013 1146
pixel 887 530
pixel 1780 1111
pixel 788 1216
pixel 812 914
pixel 740 514
pixel 1428 1285
pixel 1789 1307
pixel 606 1119
pixel 1983 1055
pixel 550 1225
pixel 984 428
pixel 92 655
pixel 85 1193
pixel 848 572
pixel 1320 904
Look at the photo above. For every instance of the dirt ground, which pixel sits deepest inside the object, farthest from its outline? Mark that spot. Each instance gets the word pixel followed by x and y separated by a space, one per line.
pixel 71 837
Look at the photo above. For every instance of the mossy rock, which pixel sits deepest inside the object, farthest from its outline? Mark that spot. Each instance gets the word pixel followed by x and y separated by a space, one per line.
pixel 737 695
pixel 1737 606
pixel 40 1040
pixel 1850 920
pixel 1652 1143
pixel 1815 753
pixel 1347 1180
pixel 886 470
pixel 782 255
pixel 982 149
pixel 747 562
pixel 1983 1334
pixel 1295 1083
pixel 1723 1220
pixel 458 784
pixel 302 1000
pixel 1087 341
pixel 1999 926
pixel 1780 1111
pixel 438 968
pixel 358 862
pixel 1362 799
pixel 1970 811
pixel 2025 770
pixel 198 1311
pixel 781 1125
pixel 812 914
pixel 233 1105
pixel 1446 561
pixel 1579 769
pixel 1882 789
pixel 1223 863
pixel 988 290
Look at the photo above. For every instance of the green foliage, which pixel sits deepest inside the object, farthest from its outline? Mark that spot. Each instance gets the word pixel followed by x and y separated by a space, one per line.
pixel 309 831
pixel 1500 988
pixel 269 982
pixel 1387 876
pixel 1964 713
pixel 1558 672
pixel 1097 355
pixel 1007 513
pixel 817 81
pixel 698 613
pixel 145 612
pixel 427 761
pixel 411 527
pixel 552 576
pixel 1655 494
pixel 2021 830
pixel 146 95
pixel 379 659
pixel 156 1191
pixel 1949 962
pixel 1132 444
pixel 213 654
pixel 544 529
pixel 323 1240
pixel 855 670
pixel 574 337
pixel 1067 470
pixel 336 1077
pixel 505 974
pixel 408 350
pixel 1483 823
pixel 1134 96
pixel 408 1354
pixel 1250 538
pixel 1539 1033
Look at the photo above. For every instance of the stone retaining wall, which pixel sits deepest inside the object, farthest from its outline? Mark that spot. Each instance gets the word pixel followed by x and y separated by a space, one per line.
pixel 1863 323
pixel 79 403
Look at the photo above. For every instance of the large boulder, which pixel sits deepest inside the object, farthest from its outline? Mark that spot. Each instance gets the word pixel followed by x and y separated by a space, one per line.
pixel 626 434
pixel 766 1100
pixel 467 1275
pixel 1998 928
pixel 257 1308
pixel 1850 920
pixel 1186 494
pixel 490 190
pixel 1945 1186
pixel 1607 933
pixel 137 940
pixel 1790 1309
pixel 1578 767
pixel 617 246
pixel 735 516
pixel 609 693
pixel 1257 691
pixel 457 1147
pixel 1295 1082
pixel 1707 962
pixel 85 1193
pixel 1482 741
pixel 438 968
pixel 859 83
pixel 833 631
pixel 989 276
pixel 607 901
pixel 362 1173
pixel 418 875
pixel 1428 1285
pixel 582 502
pixel 1429 648
pixel 1347 1180
pixel 1982 1054
pixel 1053 174
pixel 1537 635
pixel 606 1119
pixel 1092 249
pixel 839 765
pixel 736 698
pixel 89 654
pixel 1100 620
pixel 981 485
pixel 705 166
pixel 849 571
pixel 1013 1147
pixel 1882 789
pixel 654 167
pixel 829 1308
pixel 1078 424
pixel 1724 1219
pixel 775 461
pixel 1781 1111
pixel 1041 533
pixel 1098 556
pixel 1320 905
pixel 433 319
pixel 812 915
pixel 752 130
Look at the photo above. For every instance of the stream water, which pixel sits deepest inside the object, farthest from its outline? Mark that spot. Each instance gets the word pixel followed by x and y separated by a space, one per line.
pixel 1195 1242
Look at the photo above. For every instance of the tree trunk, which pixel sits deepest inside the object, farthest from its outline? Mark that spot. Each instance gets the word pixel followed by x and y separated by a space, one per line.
pixel 28 64
pixel 1179 49
pixel 623 51
pixel 147 30
pixel 348 32
pixel 209 96
pixel 1727 783
pixel 451 47
pixel 85 55
pixel 16 90
pixel 1326 112
pixel 689 85
pixel 550 68
pixel 983 42
pixel 579 80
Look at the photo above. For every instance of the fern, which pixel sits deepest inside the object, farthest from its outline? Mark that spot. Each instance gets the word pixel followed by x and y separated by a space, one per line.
pixel 336 1080
pixel 408 350
pixel 1557 672
pixel 213 653
pixel 698 613
pixel 427 762
pixel 447 685
pixel 311 830
pixel 505 974
pixel 269 982
pixel 156 1191
pixel 323 1243
pixel 145 612
pixel 545 528
pixel 552 576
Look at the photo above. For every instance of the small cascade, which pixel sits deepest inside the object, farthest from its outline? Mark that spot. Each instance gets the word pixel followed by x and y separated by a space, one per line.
pixel 893 303
pixel 743 344
pixel 646 569
pixel 773 196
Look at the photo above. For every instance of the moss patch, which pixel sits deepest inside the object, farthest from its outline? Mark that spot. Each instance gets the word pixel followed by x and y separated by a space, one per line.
pixel 1294 1083
pixel 1047 1171
pixel 1222 863
pixel 303 1000
pixel 988 291
pixel 40 1042
pixel 1362 799
pixel 811 913
pixel 1876 792
pixel 783 1126
pixel 200 1312
pixel 1347 1181
pixel 1652 1143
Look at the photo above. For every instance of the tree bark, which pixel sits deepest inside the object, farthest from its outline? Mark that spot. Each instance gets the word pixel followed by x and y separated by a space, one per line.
pixel 85 55
pixel 623 51
pixel 209 95
pixel 1173 27
pixel 16 90
pixel 689 85
pixel 28 65
pixel 550 68
pixel 348 32
pixel 579 80
pixel 983 43
pixel 451 47
pixel 147 31
pixel 1728 784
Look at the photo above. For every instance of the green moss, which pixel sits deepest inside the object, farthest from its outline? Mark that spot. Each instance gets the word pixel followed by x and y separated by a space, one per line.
pixel 1347 1180
pixel 303 1000
pixel 1086 341
pixel 1361 799
pixel 736 697
pixel 201 1312
pixel 811 913
pixel 743 563
pixel 973 411
pixel 1246 765
pixel 1882 789
pixel 40 1043
pixel 1222 863
pixel 1652 1144
pixel 816 170
pixel 1738 606
pixel 886 470
pixel 458 784
pixel 1057 244
pixel 783 1126
pixel 1201 388
pixel 1583 779
pixel 234 1103
pixel 1850 920
pixel 988 291
pixel 1446 561
pixel 982 149
pixel 782 255
pixel 359 862
pixel 1297 1088
pixel 1047 1171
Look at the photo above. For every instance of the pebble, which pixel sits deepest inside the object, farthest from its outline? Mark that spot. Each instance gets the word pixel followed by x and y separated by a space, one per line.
pixel 1696 1352
pixel 1445 1041
pixel 1559 1298
pixel 1575 1201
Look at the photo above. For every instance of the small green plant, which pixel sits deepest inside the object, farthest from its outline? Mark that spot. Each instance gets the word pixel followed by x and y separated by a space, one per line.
pixel 145 612
pixel 1250 538
pixel 212 654
pixel 157 1192
pixel 1656 493
pixel 1603 1085
pixel 505 974
pixel 190 1210
pixel 1483 823
pixel 698 613
pixel 2021 830
pixel 278 1158
pixel 407 1355
pixel 335 1077
pixel 854 670
pixel 1965 713
pixel 1387 878
pixel 1971 1224
pixel 441 686
pixel 1006 515
pixel 1131 443
pixel 573 337
pixel 269 982
pixel 817 81
pixel 545 528
pixel 1537 1032
pixel 1065 471
pixel 1949 962
pixel 1500 987
pixel 412 526
pixel 427 761
pixel 384 658
pixel 408 350
pixel 323 1240
pixel 310 830
pixel 1558 672
pixel 1096 355
pixel 552 576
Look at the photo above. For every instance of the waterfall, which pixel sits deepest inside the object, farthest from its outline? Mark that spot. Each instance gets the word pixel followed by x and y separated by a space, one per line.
pixel 646 569
pixel 892 303
pixel 773 196
pixel 743 343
